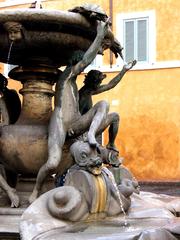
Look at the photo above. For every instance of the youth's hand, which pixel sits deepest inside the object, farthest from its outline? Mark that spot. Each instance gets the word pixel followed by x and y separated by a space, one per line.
pixel 102 27
pixel 129 65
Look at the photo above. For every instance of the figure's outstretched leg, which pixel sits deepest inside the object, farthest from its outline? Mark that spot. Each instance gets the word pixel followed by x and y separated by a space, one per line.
pixel 113 130
pixel 47 169
pixel 11 192
pixel 98 119
pixel 112 121
pixel 91 122
pixel 56 141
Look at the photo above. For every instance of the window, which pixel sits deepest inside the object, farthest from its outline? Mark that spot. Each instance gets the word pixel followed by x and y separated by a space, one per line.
pixel 135 39
pixel 136 32
pixel 95 64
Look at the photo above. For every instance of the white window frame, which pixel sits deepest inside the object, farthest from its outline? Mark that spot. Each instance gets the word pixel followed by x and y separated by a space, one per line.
pixel 151 34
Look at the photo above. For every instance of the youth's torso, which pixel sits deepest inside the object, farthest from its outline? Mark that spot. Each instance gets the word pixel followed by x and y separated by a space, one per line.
pixel 69 98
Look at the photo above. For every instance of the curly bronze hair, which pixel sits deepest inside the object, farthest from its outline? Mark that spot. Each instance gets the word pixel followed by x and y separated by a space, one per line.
pixel 94 77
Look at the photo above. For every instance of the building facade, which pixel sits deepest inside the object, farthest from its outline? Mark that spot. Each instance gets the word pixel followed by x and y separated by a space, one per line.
pixel 148 97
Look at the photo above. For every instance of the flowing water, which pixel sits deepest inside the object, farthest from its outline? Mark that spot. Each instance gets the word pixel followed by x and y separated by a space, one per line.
pixel 121 204
pixel 118 195
pixel 9 52
pixel 122 208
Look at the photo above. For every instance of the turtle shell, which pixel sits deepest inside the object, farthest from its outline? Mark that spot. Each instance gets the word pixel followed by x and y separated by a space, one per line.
pixel 92 11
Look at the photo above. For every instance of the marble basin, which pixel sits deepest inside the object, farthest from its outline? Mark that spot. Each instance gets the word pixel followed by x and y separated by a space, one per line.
pixel 150 217
pixel 48 35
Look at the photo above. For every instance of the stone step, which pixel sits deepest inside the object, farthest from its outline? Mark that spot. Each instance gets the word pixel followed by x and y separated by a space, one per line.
pixel 9 222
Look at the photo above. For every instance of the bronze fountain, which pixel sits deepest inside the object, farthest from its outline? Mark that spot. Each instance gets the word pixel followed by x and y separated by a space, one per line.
pixel 94 199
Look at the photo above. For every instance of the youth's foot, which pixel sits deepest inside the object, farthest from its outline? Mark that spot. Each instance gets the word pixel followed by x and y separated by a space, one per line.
pixel 112 147
pixel 92 140
pixel 33 196
pixel 13 198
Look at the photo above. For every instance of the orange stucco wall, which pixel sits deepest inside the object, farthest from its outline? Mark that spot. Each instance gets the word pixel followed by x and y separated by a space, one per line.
pixel 148 101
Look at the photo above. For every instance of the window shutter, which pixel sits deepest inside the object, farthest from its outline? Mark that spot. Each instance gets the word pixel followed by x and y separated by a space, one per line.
pixel 129 40
pixel 142 40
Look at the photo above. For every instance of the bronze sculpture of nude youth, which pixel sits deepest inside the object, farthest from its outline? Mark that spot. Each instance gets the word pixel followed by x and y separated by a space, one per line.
pixel 92 86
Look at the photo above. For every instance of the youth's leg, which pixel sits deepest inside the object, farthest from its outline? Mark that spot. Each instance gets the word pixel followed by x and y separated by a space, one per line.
pixel 112 121
pixel 113 130
pixel 56 141
pixel 97 121
pixel 91 122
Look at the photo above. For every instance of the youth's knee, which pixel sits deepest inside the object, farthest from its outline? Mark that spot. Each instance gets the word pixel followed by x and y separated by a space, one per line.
pixel 54 156
pixel 53 162
pixel 115 117
pixel 103 105
pixel 51 167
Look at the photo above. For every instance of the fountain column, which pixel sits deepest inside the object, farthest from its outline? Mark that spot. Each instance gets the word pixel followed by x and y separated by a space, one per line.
pixel 37 93
pixel 26 148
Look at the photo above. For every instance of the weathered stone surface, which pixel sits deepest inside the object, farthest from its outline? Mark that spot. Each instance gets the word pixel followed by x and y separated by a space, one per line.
pixel 151 220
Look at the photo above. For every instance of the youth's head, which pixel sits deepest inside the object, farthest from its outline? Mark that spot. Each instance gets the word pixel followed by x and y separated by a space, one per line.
pixel 94 79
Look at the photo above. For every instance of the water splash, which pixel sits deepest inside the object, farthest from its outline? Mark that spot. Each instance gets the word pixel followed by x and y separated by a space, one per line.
pixel 109 173
pixel 122 208
pixel 9 52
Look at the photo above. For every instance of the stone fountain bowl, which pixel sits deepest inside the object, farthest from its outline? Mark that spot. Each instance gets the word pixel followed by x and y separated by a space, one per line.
pixel 113 229
pixel 150 217
pixel 48 35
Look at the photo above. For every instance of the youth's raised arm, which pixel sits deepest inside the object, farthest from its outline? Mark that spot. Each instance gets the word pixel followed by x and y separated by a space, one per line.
pixel 115 80
pixel 92 51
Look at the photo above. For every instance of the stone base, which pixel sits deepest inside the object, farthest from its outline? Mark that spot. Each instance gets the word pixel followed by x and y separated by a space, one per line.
pixel 10 217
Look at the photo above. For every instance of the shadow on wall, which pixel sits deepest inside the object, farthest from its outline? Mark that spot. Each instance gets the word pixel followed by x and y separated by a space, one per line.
pixel 150 148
